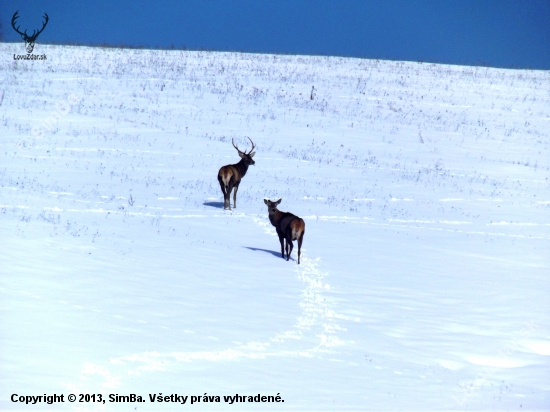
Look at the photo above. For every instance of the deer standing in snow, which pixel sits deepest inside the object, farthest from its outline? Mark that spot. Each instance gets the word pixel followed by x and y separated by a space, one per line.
pixel 289 227
pixel 230 176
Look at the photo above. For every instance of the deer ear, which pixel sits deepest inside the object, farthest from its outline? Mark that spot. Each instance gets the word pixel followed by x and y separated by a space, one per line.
pixel 265 201
pixel 241 155
pixel 278 201
pixel 252 154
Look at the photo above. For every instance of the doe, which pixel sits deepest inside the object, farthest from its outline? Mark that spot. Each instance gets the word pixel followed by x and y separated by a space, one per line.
pixel 289 227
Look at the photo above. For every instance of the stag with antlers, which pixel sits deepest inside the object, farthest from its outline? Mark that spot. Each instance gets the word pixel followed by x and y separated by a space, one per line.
pixel 29 40
pixel 230 176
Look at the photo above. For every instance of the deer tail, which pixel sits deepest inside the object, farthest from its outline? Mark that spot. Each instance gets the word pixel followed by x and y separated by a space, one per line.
pixel 298 228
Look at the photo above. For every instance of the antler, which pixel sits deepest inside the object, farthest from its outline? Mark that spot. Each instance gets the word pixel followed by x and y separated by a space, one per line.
pixel 46 19
pixel 239 150
pixel 253 145
pixel 24 35
pixel 15 16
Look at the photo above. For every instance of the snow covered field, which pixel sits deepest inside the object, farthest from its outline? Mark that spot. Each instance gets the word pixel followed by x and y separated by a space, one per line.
pixel 424 282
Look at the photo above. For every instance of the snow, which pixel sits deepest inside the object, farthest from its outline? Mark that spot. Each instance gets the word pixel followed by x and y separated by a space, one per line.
pixel 424 276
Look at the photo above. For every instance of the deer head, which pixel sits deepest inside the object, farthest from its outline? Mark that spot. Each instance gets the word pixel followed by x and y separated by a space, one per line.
pixel 29 40
pixel 272 206
pixel 247 157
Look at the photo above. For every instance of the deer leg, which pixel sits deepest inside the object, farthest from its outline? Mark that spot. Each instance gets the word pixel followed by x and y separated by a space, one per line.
pixel 222 185
pixel 229 188
pixel 289 247
pixel 282 240
pixel 300 239
pixel 235 196
pixel 226 204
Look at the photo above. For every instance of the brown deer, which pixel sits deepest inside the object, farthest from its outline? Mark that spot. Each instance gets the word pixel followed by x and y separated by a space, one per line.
pixel 230 176
pixel 289 227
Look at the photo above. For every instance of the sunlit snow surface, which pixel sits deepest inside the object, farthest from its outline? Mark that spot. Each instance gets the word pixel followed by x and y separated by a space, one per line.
pixel 424 283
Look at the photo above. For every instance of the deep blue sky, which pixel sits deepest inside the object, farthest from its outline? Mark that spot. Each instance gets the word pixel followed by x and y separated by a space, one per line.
pixel 498 33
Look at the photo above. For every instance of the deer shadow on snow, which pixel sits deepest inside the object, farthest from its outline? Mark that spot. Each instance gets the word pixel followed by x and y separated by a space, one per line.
pixel 218 205
pixel 276 254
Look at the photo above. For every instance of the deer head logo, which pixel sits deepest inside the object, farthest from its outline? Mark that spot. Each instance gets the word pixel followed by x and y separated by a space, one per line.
pixel 29 40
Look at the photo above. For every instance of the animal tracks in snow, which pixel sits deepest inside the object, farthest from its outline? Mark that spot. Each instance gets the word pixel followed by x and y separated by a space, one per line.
pixel 317 331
